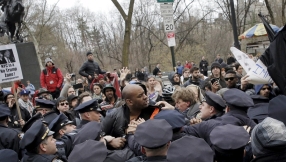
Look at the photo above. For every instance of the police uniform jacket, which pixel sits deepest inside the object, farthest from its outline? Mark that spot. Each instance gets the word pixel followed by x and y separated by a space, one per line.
pixel 116 122
pixel 203 129
pixel 156 159
pixel 65 144
pixel 30 157
pixel 9 139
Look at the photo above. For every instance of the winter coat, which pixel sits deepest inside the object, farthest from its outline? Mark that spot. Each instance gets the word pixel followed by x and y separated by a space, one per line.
pixel 90 67
pixel 52 80
pixel 204 65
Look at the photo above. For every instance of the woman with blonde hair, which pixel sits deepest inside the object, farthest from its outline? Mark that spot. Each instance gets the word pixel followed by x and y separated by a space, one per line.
pixel 154 93
pixel 198 93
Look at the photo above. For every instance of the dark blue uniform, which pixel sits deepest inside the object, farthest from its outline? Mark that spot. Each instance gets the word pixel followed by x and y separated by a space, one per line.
pixel 9 137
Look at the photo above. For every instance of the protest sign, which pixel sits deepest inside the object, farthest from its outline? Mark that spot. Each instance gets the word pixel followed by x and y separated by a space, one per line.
pixel 259 74
pixel 243 59
pixel 10 68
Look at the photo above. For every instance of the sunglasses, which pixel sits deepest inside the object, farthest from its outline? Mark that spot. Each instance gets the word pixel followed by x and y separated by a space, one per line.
pixel 227 79
pixel 265 89
pixel 62 104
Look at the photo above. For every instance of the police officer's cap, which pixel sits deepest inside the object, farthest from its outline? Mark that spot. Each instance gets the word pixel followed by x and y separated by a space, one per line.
pixel 4 110
pixel 228 138
pixel 89 150
pixel 41 103
pixel 9 155
pixel 49 117
pixel 237 99
pixel 71 97
pixel 277 108
pixel 90 131
pixel 30 122
pixel 43 90
pixel 180 150
pixel 215 100
pixel 173 117
pixel 91 105
pixel 153 133
pixel 59 122
pixel 35 135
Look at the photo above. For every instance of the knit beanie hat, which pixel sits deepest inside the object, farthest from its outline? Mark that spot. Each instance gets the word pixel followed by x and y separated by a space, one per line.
pixel 268 136
pixel 88 53
pixel 215 64
pixel 48 60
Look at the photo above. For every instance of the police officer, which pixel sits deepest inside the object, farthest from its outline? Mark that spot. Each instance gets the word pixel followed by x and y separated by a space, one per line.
pixel 229 141
pixel 39 144
pixel 181 150
pixel 238 102
pixel 212 107
pixel 63 127
pixel 94 151
pixel 30 122
pixel 9 138
pixel 9 155
pixel 154 136
pixel 44 106
pixel 89 111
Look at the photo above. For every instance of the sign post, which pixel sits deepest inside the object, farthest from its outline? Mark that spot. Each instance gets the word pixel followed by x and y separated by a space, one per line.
pixel 166 8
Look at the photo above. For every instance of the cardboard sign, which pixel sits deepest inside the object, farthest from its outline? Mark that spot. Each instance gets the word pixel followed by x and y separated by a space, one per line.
pixel 243 59
pixel 10 68
pixel 259 74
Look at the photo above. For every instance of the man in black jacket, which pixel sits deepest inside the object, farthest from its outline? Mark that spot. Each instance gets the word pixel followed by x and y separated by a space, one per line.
pixel 89 68
pixel 136 106
pixel 204 66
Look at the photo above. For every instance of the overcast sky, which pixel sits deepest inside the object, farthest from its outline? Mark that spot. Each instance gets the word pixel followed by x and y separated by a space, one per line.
pixel 93 5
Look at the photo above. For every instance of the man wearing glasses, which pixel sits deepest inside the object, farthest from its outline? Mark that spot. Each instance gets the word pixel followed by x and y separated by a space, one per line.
pixel 231 79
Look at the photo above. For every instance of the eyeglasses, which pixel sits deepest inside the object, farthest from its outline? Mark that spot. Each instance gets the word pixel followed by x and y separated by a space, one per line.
pixel 227 79
pixel 265 89
pixel 62 104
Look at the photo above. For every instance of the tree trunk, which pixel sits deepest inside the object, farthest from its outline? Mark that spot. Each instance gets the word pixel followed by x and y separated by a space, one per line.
pixel 283 12
pixel 127 19
pixel 270 11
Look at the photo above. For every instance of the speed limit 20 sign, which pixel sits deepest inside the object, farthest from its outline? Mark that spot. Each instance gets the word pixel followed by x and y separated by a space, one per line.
pixel 169 23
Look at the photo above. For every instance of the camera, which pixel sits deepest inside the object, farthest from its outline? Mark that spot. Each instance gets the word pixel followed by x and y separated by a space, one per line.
pixel 72 74
pixel 214 80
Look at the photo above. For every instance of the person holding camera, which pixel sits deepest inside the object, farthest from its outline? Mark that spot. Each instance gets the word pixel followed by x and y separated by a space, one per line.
pixel 216 74
pixel 51 78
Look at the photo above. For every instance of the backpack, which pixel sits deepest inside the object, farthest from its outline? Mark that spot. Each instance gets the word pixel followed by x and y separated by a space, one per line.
pixel 54 70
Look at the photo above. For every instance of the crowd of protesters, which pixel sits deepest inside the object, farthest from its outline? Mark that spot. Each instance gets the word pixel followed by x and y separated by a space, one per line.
pixel 205 113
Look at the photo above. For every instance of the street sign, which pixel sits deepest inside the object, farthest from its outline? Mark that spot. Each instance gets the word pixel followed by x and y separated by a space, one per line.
pixel 169 23
pixel 165 1
pixel 171 39
pixel 166 9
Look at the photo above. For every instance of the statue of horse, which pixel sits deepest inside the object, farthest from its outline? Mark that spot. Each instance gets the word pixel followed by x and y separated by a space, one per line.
pixel 13 13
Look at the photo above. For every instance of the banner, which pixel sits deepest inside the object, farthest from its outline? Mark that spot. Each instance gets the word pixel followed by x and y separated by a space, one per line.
pixel 10 68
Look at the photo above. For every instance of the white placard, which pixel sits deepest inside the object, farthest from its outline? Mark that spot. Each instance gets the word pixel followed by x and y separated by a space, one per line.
pixel 171 39
pixel 169 23
pixel 259 74
pixel 166 9
pixel 243 59
pixel 10 68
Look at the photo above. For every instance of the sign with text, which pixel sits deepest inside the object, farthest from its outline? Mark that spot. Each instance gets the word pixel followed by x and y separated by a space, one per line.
pixel 257 71
pixel 259 74
pixel 169 24
pixel 243 59
pixel 171 39
pixel 166 10
pixel 165 1
pixel 10 68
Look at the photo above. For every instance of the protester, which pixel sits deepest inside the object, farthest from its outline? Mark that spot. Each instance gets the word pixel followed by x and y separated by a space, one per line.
pixel 231 79
pixel 43 93
pixel 197 91
pixel 186 75
pixel 51 78
pixel 195 78
pixel 179 68
pixel 216 74
pixel 156 69
pixel 97 92
pixel 230 59
pixel 111 100
pixel 152 93
pixel 30 87
pixel 188 65
pixel 218 59
pixel 25 102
